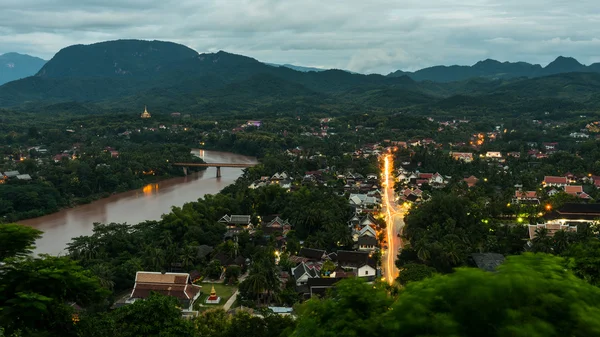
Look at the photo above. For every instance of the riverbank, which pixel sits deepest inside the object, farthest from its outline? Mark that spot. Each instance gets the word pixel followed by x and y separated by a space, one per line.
pixel 80 201
pixel 147 203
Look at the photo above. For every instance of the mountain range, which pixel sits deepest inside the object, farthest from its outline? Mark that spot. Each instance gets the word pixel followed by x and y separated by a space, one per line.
pixel 14 66
pixel 132 73
pixel 493 69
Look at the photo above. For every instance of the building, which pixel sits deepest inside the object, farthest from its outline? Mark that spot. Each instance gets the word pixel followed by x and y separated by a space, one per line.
pixel 553 181
pixel 359 262
pixel 577 191
pixel 467 157
pixel 145 114
pixel 236 222
pixel 526 197
pixel 552 228
pixel 302 273
pixel 367 243
pixel 176 285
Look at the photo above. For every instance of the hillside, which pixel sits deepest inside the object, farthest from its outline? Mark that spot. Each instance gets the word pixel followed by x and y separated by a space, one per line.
pixel 14 66
pixel 493 69
pixel 114 59
pixel 130 73
pixel 119 69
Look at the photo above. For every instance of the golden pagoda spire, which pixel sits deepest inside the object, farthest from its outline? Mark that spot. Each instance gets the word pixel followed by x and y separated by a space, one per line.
pixel 213 292
pixel 145 114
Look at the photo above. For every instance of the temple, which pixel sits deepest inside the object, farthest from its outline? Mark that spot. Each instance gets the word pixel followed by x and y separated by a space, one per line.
pixel 145 114
pixel 213 298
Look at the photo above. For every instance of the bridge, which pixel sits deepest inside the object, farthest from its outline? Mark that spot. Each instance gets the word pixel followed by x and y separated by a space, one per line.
pixel 217 165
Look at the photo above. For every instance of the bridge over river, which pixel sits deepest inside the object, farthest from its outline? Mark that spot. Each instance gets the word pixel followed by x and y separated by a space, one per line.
pixel 217 165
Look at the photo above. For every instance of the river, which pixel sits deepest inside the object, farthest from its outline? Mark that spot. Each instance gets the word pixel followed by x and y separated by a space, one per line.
pixel 147 203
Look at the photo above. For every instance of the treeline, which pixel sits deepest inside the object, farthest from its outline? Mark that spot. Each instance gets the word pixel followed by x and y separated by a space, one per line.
pixel 86 173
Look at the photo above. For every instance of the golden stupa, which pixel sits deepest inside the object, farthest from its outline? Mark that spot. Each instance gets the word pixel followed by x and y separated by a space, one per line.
pixel 145 114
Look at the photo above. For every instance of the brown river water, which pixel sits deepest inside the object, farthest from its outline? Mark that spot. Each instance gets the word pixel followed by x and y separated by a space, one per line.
pixel 147 203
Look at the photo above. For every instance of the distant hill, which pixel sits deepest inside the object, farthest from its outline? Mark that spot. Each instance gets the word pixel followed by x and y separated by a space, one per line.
pixel 493 69
pixel 120 58
pixel 123 68
pixel 119 74
pixel 297 68
pixel 14 66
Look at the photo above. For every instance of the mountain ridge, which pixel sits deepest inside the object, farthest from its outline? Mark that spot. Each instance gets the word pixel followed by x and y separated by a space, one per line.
pixel 493 69
pixel 14 66
pixel 134 72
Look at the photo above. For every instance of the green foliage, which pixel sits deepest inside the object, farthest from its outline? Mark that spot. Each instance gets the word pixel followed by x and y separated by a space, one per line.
pixel 35 294
pixel 156 315
pixel 355 308
pixel 412 272
pixel 17 240
pixel 584 260
pixel 530 295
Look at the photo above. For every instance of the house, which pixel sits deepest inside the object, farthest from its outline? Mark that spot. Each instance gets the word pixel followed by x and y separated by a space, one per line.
pixel 471 181
pixel 577 191
pixel 277 177
pixel 11 174
pixel 176 285
pixel 276 224
pixel 235 223
pixel 550 146
pixel 302 273
pixel 528 197
pixel 359 262
pixel 493 155
pixel 578 135
pixel 466 157
pixel 60 157
pixel 552 228
pixel 24 177
pixel 313 254
pixel 436 178
pixel 360 222
pixel 367 243
pixel 365 231
pixel 319 286
pixel 553 181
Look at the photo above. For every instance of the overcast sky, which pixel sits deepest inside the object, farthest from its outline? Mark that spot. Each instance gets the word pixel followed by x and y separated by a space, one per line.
pixel 364 36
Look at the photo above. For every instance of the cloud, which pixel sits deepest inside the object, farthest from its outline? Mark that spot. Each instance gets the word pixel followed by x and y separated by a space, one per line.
pixel 364 36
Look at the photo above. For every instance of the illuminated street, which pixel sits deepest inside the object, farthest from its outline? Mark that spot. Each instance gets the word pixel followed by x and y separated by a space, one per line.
pixel 394 218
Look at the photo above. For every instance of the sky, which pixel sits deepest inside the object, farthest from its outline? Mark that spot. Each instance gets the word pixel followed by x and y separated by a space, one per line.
pixel 374 36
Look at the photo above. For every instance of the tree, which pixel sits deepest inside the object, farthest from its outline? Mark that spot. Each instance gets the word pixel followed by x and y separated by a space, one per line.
pixel 214 269
pixel 232 273
pixel 584 260
pixel 213 323
pixel 355 308
pixel 414 272
pixel 35 294
pixel 530 295
pixel 17 240
pixel 156 315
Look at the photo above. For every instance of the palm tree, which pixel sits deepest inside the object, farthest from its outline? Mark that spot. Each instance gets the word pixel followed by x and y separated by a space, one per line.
pixel 561 241
pixel 423 250
pixel 105 275
pixel 188 256
pixel 542 243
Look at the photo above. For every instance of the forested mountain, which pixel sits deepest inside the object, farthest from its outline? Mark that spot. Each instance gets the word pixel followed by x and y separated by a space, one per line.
pixel 14 66
pixel 171 77
pixel 493 69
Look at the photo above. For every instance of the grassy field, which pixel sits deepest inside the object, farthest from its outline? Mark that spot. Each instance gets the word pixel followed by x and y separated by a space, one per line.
pixel 223 291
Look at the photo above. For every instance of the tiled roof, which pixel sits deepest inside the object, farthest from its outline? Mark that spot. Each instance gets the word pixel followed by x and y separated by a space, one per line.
pixel 315 254
pixel 555 180
pixel 169 284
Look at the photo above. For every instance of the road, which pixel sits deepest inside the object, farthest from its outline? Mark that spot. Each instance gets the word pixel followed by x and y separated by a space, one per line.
pixel 394 219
